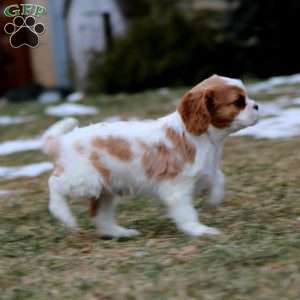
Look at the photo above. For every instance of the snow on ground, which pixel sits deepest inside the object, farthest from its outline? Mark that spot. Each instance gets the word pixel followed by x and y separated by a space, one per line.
pixel 9 120
pixel 49 97
pixel 25 171
pixel 71 109
pixel 271 108
pixel 274 81
pixel 75 97
pixel 279 119
pixel 163 91
pixel 284 125
pixel 113 119
pixel 14 146
pixel 5 192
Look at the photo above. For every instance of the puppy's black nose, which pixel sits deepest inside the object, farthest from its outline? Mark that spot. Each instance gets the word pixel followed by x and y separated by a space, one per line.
pixel 255 106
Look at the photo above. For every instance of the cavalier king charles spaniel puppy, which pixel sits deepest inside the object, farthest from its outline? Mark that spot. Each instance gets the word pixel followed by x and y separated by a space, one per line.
pixel 173 158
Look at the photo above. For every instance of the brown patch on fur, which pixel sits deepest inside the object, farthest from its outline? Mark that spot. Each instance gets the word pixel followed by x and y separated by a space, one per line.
pixel 194 112
pixel 181 145
pixel 78 147
pixel 223 116
pixel 117 147
pixel 98 165
pixel 210 102
pixel 162 162
pixel 58 170
pixel 159 163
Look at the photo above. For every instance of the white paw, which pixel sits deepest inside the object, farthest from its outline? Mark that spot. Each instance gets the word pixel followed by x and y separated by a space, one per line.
pixel 211 231
pixel 119 232
pixel 196 229
pixel 129 233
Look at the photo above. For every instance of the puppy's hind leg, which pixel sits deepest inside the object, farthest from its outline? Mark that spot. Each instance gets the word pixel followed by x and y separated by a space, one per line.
pixel 103 217
pixel 58 205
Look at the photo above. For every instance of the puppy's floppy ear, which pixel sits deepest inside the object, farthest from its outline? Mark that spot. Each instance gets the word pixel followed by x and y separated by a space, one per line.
pixel 194 110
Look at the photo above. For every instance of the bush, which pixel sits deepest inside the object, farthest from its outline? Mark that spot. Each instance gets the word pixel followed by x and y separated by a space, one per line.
pixel 158 52
pixel 258 39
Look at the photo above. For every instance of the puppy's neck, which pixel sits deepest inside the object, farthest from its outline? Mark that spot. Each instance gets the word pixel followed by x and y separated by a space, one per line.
pixel 216 135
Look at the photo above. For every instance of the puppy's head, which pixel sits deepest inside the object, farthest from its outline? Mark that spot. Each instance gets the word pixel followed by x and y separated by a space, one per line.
pixel 219 101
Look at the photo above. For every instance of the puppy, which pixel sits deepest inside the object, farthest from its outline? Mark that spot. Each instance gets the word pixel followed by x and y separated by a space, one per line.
pixel 173 158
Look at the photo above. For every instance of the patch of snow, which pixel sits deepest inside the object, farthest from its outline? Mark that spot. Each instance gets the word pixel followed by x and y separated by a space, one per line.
pixel 49 97
pixel 133 119
pixel 32 170
pixel 70 109
pixel 14 146
pixel 5 192
pixel 284 125
pixel 9 120
pixel 164 91
pixel 113 119
pixel 75 97
pixel 274 81
pixel 296 101
pixel 269 109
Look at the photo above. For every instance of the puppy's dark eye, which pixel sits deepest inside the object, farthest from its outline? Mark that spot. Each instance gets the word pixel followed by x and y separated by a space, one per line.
pixel 240 102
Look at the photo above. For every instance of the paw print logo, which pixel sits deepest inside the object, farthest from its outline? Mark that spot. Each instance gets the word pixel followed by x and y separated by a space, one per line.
pixel 24 32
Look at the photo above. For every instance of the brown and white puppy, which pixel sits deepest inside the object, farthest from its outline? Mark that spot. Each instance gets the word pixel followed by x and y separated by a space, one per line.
pixel 172 158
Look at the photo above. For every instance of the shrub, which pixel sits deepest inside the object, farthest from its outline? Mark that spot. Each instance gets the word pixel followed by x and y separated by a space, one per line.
pixel 157 52
pixel 259 39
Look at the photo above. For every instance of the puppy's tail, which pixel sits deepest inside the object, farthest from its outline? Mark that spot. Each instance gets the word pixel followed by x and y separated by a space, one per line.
pixel 50 139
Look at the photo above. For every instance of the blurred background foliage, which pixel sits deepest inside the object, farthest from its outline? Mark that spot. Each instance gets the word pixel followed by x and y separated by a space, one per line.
pixel 263 34
pixel 169 47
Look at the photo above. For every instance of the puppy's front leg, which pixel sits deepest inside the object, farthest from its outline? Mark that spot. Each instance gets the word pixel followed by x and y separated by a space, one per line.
pixel 178 199
pixel 216 191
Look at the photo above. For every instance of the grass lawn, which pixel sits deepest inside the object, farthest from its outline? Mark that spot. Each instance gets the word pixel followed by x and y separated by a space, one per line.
pixel 256 257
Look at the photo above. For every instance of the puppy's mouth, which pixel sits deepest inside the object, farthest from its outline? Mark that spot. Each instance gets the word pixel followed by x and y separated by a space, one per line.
pixel 255 121
pixel 242 125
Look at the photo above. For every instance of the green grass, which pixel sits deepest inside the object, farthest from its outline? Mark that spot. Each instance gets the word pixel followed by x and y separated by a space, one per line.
pixel 256 257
